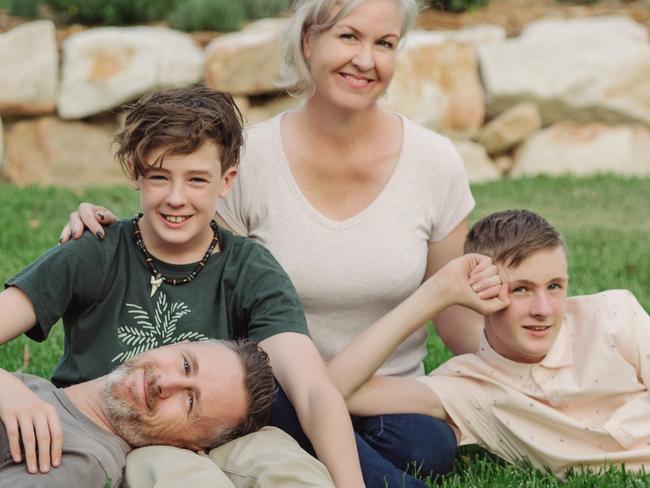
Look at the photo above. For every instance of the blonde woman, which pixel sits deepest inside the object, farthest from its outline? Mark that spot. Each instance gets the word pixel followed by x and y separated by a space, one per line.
pixel 359 205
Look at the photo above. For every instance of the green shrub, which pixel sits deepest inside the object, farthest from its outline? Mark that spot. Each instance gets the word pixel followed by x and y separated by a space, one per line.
pixel 117 12
pixel 457 5
pixel 197 15
pixel 109 12
pixel 260 9
pixel 188 15
pixel 24 8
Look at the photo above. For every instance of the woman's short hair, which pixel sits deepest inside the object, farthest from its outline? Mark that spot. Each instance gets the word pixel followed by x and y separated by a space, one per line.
pixel 315 17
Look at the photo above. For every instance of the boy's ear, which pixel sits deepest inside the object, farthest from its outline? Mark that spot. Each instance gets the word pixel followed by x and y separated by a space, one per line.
pixel 228 178
pixel 135 182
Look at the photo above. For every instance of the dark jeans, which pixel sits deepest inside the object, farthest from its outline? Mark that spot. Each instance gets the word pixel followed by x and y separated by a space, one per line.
pixel 389 445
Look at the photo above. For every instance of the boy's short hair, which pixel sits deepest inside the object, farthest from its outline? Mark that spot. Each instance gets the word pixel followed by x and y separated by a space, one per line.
pixel 511 236
pixel 180 119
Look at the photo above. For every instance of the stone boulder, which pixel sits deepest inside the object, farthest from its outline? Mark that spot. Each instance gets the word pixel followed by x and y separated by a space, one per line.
pixel 263 111
pixel 108 66
pixel 511 127
pixel 505 163
pixel 436 83
pixel 480 168
pixel 246 62
pixel 584 149
pixel 29 63
pixel 48 151
pixel 477 35
pixel 581 69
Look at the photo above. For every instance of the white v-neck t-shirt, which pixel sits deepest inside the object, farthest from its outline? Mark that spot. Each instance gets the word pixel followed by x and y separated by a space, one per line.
pixel 350 273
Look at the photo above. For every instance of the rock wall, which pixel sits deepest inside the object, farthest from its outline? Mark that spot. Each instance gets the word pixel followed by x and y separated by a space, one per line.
pixel 566 96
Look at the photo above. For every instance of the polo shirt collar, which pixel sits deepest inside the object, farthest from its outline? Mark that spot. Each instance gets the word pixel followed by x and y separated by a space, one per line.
pixel 561 353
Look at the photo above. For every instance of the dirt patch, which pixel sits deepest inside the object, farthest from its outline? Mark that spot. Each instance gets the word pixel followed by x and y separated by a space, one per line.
pixel 514 14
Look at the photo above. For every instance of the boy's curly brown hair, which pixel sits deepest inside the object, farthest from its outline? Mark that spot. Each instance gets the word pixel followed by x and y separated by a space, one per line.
pixel 181 120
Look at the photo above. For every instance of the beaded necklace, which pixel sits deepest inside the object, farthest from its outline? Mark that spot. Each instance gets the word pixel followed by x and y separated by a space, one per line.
pixel 157 278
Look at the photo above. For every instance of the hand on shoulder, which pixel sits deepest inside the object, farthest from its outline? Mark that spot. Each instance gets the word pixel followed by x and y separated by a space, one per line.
pixel 88 216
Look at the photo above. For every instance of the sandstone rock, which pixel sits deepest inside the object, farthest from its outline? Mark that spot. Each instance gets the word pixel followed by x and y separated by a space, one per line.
pixel 108 66
pixel 478 164
pixel 504 164
pixel 246 62
pixel 243 103
pixel 511 127
pixel 29 63
pixel 583 149
pixel 437 84
pixel 261 112
pixel 581 69
pixel 477 35
pixel 48 151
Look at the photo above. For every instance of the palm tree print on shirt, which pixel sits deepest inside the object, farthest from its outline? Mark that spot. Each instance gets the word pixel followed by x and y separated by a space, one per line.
pixel 147 334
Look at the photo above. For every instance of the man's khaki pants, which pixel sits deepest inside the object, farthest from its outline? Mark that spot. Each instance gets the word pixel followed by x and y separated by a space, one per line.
pixel 265 459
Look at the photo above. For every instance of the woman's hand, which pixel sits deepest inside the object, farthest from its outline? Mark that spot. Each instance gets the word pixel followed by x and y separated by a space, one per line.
pixel 28 418
pixel 90 216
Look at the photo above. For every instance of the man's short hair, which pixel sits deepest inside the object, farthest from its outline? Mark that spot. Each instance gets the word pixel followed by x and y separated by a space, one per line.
pixel 181 120
pixel 260 388
pixel 511 236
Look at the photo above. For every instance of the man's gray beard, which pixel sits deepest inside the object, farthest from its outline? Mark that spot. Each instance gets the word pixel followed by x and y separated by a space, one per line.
pixel 119 414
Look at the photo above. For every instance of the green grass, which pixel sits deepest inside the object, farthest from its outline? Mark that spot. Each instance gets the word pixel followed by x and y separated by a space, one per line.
pixel 476 468
pixel 30 221
pixel 605 221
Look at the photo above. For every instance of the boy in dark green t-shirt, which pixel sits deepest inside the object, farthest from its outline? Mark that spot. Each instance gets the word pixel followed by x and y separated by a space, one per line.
pixel 170 274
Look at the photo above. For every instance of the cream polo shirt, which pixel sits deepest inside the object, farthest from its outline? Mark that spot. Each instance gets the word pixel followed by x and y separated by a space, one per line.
pixel 585 404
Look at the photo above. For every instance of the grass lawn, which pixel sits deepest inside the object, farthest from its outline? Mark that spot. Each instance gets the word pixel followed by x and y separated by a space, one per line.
pixel 605 220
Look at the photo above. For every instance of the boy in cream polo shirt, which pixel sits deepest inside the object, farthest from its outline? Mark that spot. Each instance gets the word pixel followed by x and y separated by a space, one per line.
pixel 560 382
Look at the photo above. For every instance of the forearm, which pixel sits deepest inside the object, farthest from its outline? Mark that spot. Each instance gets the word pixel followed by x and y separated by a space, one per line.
pixel 6 379
pixel 390 394
pixel 460 329
pixel 325 420
pixel 369 350
pixel 321 410
pixel 17 314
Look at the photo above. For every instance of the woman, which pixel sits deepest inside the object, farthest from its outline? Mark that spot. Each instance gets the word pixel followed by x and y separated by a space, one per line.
pixel 359 206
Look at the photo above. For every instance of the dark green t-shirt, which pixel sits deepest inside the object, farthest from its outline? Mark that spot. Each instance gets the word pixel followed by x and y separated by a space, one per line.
pixel 101 290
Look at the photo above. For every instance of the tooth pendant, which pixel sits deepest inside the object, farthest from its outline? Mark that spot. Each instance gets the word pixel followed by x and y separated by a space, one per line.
pixel 156 282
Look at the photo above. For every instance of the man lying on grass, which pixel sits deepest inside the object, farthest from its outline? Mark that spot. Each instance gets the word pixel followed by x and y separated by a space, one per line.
pixel 560 382
pixel 193 395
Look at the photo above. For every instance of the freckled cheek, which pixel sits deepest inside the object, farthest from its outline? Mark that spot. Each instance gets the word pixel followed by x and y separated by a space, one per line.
pixel 154 194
